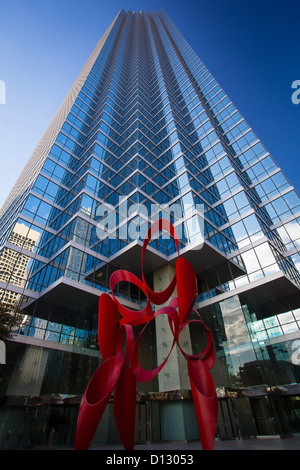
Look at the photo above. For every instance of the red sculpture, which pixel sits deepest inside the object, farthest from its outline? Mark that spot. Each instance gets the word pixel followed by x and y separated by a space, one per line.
pixel 120 374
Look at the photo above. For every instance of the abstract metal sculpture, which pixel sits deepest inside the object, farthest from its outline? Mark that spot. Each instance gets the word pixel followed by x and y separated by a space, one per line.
pixel 120 373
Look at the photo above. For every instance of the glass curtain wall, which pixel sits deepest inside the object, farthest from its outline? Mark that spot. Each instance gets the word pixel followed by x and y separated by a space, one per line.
pixel 148 130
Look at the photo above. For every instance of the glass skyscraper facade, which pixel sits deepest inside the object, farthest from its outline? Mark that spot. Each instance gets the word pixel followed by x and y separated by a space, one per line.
pixel 146 131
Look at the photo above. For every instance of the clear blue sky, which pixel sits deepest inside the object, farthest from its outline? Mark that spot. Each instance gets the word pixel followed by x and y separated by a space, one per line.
pixel 250 46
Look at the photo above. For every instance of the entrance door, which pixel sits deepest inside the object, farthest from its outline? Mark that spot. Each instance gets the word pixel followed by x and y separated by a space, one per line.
pixel 228 426
pixel 143 422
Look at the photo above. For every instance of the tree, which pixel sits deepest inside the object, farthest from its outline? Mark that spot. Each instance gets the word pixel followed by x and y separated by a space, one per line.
pixel 8 320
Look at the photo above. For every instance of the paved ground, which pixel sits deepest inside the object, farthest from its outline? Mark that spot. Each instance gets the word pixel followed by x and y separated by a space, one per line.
pixel 260 443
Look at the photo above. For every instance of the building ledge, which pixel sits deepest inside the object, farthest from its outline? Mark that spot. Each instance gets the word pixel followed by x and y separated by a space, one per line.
pixel 72 295
pixel 276 286
pixel 47 344
pixel 203 259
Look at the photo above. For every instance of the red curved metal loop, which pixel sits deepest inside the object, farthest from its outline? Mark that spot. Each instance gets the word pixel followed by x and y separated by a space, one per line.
pixel 144 375
pixel 132 317
pixel 186 288
pixel 208 347
pixel 159 298
pixel 174 304
pixel 128 345
pixel 108 325
pixel 209 358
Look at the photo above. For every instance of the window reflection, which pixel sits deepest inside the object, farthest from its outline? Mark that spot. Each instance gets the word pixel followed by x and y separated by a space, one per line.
pixel 14 265
pixel 238 346
pixel 290 233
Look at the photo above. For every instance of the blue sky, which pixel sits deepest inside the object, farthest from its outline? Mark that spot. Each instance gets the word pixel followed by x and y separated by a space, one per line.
pixel 250 46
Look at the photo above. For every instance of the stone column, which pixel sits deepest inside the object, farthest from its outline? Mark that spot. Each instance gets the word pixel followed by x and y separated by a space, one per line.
pixel 176 417
pixel 174 375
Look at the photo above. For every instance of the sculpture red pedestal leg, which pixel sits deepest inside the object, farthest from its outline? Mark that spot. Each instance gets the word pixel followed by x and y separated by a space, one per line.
pixel 94 402
pixel 124 407
pixel 205 401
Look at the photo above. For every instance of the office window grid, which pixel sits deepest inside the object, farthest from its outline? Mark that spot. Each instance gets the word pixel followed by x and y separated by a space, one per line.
pixel 152 124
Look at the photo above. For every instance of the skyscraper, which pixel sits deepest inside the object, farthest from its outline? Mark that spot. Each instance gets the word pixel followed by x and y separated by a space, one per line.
pixel 146 131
